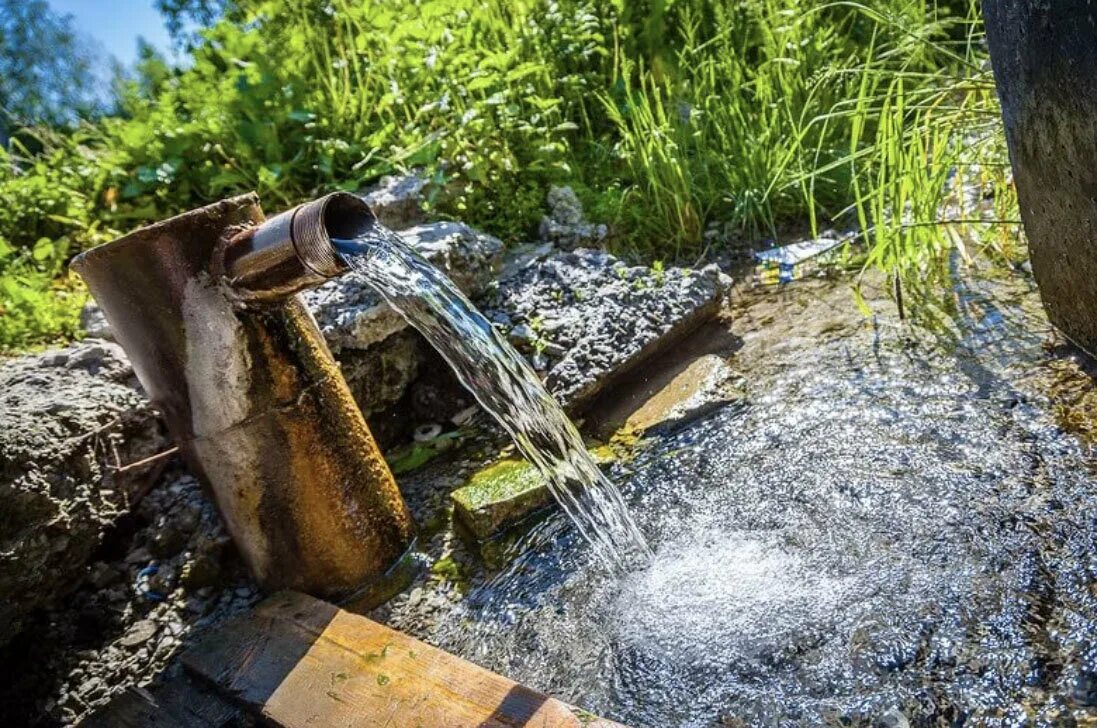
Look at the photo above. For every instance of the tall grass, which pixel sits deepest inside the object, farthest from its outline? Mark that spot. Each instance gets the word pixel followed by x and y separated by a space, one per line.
pixel 842 112
pixel 687 126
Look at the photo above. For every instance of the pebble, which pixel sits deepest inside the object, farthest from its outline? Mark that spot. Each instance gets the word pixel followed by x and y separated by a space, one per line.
pixel 139 633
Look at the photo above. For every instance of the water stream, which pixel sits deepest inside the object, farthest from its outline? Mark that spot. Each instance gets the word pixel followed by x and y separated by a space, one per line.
pixel 893 526
pixel 504 385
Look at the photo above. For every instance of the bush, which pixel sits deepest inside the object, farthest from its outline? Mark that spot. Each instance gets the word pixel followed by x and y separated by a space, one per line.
pixel 668 118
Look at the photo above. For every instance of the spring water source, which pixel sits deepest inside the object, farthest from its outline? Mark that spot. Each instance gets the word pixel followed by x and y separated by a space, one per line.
pixel 505 386
pixel 896 525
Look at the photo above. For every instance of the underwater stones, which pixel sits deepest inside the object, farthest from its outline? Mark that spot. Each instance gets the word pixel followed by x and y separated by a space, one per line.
pixel 700 387
pixel 69 418
pixel 565 225
pixel 397 200
pixel 594 317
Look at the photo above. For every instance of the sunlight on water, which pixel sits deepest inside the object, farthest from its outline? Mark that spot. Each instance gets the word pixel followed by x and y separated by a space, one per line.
pixel 892 520
pixel 504 385
pixel 677 605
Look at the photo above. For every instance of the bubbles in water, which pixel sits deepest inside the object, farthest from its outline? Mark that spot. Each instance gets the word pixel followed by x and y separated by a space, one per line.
pixel 730 587
pixel 889 523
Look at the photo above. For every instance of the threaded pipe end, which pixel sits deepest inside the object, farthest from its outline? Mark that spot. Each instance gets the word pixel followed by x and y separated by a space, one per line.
pixel 339 215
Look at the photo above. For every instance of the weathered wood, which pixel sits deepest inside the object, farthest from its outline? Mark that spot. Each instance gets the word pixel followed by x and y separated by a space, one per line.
pixel 1044 54
pixel 180 703
pixel 296 661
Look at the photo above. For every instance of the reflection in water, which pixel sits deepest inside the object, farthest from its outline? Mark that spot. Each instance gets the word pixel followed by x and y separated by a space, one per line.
pixel 893 521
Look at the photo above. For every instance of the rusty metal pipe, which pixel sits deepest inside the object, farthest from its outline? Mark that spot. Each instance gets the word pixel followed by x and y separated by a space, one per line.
pixel 204 305
pixel 292 251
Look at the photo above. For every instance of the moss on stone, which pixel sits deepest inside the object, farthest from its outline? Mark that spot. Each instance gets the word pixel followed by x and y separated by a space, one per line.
pixel 508 491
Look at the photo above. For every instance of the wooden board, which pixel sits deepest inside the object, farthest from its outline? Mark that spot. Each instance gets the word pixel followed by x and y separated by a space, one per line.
pixel 297 661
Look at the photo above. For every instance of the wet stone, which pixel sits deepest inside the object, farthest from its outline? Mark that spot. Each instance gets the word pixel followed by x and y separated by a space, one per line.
pixel 500 495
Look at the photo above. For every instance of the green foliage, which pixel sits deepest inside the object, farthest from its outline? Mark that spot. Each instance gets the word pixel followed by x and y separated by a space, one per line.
pixel 668 118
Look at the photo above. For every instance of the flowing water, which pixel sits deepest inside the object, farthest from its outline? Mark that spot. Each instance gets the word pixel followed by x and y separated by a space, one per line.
pixel 504 385
pixel 893 526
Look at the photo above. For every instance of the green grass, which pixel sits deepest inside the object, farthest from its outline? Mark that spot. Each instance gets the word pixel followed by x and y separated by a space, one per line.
pixel 685 125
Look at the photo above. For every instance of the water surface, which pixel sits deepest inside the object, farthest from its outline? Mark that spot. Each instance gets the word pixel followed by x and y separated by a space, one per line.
pixel 893 521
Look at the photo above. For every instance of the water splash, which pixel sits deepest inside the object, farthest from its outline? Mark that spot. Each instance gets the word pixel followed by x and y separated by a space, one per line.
pixel 893 527
pixel 504 385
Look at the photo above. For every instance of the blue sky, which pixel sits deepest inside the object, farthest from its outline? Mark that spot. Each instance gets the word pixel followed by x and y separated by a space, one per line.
pixel 116 24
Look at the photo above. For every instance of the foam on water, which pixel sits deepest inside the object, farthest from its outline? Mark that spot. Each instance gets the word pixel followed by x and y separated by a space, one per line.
pixel 678 604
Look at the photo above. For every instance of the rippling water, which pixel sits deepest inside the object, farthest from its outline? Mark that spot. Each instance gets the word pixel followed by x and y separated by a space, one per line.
pixel 892 522
pixel 504 384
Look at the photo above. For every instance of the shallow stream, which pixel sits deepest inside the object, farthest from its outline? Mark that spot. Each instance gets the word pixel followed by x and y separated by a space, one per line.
pixel 893 525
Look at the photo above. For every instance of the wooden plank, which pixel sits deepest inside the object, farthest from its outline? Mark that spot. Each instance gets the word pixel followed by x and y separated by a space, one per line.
pixel 298 662
pixel 180 703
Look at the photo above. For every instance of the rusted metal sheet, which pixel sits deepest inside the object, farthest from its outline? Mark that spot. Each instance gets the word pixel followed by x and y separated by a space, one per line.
pixel 295 661
pixel 1044 54
pixel 256 404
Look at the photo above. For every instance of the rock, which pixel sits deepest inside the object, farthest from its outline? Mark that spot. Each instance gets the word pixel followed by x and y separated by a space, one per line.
pixel 500 495
pixel 139 633
pixel 565 225
pixel 380 355
pixel 606 317
pixel 68 418
pixel 397 201
pixel 379 375
pixel 702 386
pixel 893 719
pixel 94 323
pixel 503 494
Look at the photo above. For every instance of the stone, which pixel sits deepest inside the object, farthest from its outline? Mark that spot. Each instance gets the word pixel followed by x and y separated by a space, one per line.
pixel 565 226
pixel 69 418
pixel 397 200
pixel 505 493
pixel 380 355
pixel 703 385
pixel 893 719
pixel 606 317
pixel 352 316
pixel 94 323
pixel 379 375
pixel 498 496
pixel 139 633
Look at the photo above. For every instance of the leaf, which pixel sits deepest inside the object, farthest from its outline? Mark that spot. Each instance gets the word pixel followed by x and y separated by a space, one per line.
pixel 43 249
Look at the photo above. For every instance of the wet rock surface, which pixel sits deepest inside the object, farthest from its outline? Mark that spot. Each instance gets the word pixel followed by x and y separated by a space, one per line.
pixel 70 421
pixel 585 317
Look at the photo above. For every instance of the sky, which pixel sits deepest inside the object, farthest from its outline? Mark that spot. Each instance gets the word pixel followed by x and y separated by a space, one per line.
pixel 116 24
